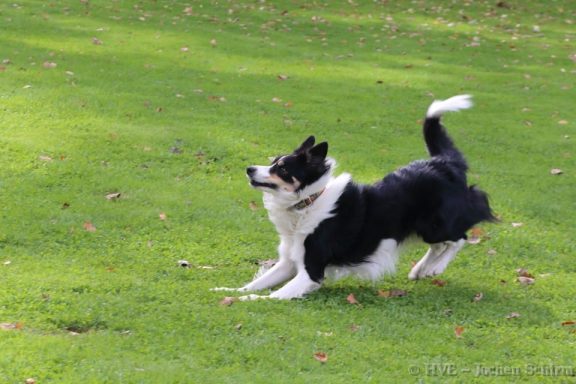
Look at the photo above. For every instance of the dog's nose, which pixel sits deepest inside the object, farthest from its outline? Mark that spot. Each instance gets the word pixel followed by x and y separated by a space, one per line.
pixel 250 171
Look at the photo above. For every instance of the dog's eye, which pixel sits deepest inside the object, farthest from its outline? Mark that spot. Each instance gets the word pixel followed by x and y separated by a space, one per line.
pixel 282 170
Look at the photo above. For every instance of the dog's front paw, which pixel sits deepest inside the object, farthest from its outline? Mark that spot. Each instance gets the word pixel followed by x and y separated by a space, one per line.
pixel 253 297
pixel 226 289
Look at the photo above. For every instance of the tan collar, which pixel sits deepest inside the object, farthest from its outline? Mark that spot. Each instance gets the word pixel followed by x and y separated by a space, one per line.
pixel 307 201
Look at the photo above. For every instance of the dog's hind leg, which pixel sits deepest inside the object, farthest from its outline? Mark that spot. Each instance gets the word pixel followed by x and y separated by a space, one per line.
pixel 436 259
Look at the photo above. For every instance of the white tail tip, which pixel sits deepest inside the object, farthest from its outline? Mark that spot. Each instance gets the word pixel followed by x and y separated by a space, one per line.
pixel 453 104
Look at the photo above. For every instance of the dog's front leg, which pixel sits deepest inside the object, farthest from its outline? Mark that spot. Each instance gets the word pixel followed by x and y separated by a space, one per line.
pixel 300 285
pixel 283 270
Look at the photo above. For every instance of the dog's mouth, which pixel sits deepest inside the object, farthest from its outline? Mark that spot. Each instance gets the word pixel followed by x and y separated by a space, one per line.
pixel 257 184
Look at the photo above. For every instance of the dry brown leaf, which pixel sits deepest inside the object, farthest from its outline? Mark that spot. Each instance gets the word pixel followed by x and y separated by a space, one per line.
pixel 563 122
pixel 513 315
pixel 228 301
pixel 392 293
pixel 458 331
pixel 282 77
pixel 113 196
pixel 524 273
pixel 525 280
pixel 321 357
pixel 476 235
pixel 49 64
pixel 477 297
pixel 96 41
pixel 88 226
pixel 44 158
pixel 354 327
pixel 556 171
pixel 439 283
pixel 567 323
pixel 30 381
pixel 162 216
pixel 352 299
pixel 11 326
pixel 253 206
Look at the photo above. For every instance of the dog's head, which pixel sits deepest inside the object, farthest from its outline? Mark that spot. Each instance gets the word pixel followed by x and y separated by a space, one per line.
pixel 294 172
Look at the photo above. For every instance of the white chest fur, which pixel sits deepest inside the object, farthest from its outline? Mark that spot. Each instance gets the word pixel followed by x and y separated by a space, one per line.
pixel 290 222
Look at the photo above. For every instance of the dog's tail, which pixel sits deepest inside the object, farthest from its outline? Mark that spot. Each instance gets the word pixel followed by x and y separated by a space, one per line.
pixel 437 140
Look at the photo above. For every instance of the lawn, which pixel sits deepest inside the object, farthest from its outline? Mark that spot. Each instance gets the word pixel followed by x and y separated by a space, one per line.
pixel 126 128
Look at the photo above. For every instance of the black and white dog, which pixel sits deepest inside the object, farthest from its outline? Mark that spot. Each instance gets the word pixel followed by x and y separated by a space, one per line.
pixel 331 227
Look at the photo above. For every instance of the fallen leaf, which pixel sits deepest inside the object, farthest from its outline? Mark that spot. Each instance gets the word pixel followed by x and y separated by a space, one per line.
pixel 162 216
pixel 354 328
pixel 439 283
pixel 184 49
pixel 238 327
pixel 524 273
pixel 49 64
pixel 213 43
pixel 96 41
pixel 556 171
pixel 228 301
pixel 392 293
pixel 113 196
pixel 477 297
pixel 321 357
pixel 282 77
pixel 352 299
pixel 492 252
pixel 30 381
pixel 253 206
pixel 563 122
pixel 44 158
pixel 513 315
pixel 458 331
pixel 517 225
pixel 7 262
pixel 88 226
pixel 476 234
pixel 276 100
pixel 65 206
pixel 567 323
pixel 11 326
pixel 525 280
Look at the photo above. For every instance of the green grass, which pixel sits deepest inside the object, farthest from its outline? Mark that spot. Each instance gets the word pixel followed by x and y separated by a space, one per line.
pixel 127 109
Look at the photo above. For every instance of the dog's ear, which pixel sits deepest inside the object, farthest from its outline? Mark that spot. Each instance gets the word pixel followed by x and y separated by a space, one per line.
pixel 319 151
pixel 308 143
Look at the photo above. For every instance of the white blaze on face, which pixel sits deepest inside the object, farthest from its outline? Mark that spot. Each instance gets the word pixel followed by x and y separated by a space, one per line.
pixel 263 175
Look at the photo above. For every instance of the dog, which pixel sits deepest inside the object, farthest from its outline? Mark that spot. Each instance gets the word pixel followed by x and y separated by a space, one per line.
pixel 332 227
